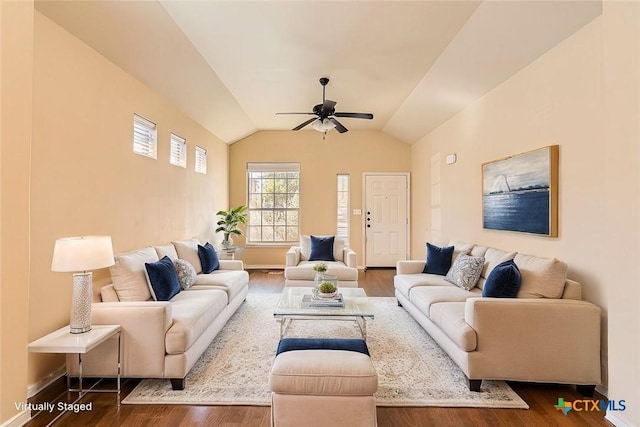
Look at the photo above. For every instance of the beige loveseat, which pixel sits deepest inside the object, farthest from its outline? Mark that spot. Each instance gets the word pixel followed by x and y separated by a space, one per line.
pixel 162 339
pixel 299 270
pixel 546 334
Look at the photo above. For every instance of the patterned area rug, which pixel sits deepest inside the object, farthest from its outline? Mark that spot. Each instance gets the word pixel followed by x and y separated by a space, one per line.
pixel 412 369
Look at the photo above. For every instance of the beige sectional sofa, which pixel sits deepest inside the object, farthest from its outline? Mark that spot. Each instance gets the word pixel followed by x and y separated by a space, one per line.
pixel 162 339
pixel 546 334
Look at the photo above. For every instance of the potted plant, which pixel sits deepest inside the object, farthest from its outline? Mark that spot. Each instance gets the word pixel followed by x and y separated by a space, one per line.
pixel 230 222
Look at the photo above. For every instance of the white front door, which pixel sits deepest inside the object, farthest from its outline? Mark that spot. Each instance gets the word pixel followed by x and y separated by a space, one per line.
pixel 386 221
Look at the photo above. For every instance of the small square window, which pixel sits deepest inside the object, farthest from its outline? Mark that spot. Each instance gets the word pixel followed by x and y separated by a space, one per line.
pixel 178 151
pixel 201 160
pixel 144 137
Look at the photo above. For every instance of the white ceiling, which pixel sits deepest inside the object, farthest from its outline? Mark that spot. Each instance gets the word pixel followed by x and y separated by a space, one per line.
pixel 231 65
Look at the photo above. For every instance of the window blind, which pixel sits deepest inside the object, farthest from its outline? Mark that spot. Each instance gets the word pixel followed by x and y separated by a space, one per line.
pixel 178 151
pixel 201 160
pixel 144 137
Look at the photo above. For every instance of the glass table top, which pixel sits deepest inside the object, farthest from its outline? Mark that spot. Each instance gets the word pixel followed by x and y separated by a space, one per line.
pixel 291 303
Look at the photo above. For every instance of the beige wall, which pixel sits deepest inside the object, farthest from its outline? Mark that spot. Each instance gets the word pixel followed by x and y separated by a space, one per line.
pixel 16 72
pixel 561 98
pixel 86 179
pixel 353 152
pixel 621 158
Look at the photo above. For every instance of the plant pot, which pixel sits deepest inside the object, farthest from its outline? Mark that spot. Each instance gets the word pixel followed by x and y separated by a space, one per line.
pixel 227 243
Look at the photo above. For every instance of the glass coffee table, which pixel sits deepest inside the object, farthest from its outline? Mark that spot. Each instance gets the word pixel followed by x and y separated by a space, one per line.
pixel 292 307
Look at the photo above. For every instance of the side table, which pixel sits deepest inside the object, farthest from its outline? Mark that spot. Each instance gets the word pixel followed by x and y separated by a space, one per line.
pixel 63 341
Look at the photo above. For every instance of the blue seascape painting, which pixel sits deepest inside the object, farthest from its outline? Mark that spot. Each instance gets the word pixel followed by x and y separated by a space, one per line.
pixel 516 193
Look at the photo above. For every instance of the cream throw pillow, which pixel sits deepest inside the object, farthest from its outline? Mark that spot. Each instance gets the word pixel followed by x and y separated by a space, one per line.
pixel 188 251
pixel 128 274
pixel 541 277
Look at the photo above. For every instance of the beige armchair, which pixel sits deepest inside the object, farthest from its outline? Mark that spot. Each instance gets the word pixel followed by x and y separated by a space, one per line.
pixel 299 270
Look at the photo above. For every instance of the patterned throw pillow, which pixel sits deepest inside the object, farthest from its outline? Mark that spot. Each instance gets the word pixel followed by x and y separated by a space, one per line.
pixel 465 271
pixel 186 273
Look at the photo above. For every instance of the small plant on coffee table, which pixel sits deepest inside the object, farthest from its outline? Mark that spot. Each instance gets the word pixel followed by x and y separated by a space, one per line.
pixel 327 288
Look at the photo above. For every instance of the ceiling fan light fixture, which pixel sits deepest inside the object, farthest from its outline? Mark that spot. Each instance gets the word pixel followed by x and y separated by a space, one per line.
pixel 323 125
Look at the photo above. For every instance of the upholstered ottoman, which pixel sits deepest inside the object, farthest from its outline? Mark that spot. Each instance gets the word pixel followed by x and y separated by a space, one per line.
pixel 323 382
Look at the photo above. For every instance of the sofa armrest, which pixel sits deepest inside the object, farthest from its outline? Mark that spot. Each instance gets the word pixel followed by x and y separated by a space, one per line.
pixel 292 256
pixel 144 326
pixel 410 266
pixel 231 264
pixel 350 258
pixel 556 339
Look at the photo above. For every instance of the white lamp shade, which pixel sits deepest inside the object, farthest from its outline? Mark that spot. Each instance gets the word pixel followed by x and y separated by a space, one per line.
pixel 82 253
pixel 323 126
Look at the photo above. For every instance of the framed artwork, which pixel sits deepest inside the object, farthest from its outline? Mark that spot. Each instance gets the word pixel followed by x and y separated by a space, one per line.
pixel 520 193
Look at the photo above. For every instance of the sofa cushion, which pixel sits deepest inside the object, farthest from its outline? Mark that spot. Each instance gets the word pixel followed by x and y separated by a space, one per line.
pixel 460 247
pixel 424 296
pixel 305 248
pixel 193 312
pixel 493 257
pixel 449 316
pixel 162 279
pixel 465 271
pixel 186 273
pixel 438 259
pixel 541 277
pixel 208 258
pixel 403 283
pixel 322 248
pixel 503 281
pixel 230 281
pixel 188 250
pixel 166 250
pixel 304 271
pixel 128 274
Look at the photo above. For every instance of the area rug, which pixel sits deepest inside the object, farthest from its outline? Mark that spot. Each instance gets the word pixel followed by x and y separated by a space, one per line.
pixel 412 369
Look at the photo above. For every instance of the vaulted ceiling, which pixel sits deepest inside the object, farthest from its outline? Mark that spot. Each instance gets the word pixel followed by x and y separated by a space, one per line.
pixel 231 65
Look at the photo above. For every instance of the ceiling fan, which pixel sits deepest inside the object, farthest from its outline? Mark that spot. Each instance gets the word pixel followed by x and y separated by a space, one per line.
pixel 325 115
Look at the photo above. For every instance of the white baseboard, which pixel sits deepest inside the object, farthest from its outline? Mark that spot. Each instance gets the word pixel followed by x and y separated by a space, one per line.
pixel 263 267
pixel 36 388
pixel 617 420
pixel 18 420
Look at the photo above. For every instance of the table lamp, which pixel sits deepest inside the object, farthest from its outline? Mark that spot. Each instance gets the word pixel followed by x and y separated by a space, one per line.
pixel 81 254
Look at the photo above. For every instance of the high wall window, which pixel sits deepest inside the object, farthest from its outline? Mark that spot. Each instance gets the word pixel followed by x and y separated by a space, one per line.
pixel 144 137
pixel 273 194
pixel 178 151
pixel 201 160
pixel 343 208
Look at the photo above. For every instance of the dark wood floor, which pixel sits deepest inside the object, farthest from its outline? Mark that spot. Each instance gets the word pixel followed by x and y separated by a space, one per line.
pixel 541 398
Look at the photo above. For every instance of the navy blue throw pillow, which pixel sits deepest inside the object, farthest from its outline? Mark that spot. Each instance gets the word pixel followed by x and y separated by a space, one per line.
pixel 322 248
pixel 503 281
pixel 162 278
pixel 346 344
pixel 438 259
pixel 208 258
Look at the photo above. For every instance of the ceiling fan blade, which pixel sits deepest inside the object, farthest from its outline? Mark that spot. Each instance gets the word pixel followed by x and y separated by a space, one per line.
pixel 355 115
pixel 327 107
pixel 309 114
pixel 301 125
pixel 339 127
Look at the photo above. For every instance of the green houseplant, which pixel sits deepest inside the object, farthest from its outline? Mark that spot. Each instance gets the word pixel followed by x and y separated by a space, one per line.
pixel 230 222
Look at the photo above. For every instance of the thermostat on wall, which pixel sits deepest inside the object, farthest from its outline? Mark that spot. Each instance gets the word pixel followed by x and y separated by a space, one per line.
pixel 451 159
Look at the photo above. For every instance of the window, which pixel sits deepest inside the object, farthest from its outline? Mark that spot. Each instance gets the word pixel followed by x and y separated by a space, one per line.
pixel 144 137
pixel 178 151
pixel 274 202
pixel 201 160
pixel 343 208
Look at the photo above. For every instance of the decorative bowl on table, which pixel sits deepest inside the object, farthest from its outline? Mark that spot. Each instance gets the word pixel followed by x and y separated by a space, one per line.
pixel 327 289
